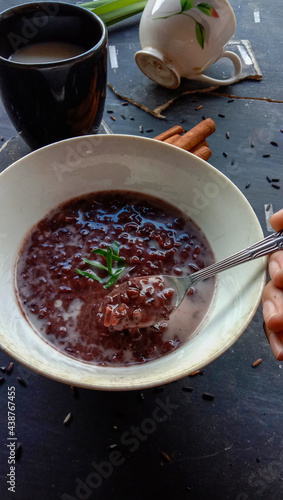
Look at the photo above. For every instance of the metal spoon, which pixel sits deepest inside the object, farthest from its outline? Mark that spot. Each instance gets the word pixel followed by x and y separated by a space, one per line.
pixel 140 311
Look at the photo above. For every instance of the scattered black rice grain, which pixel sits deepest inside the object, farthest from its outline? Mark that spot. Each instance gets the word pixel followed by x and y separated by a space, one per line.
pixel 131 118
pixel 268 207
pixel 182 120
pixel 149 130
pixel 268 180
pixel 67 419
pixel 221 115
pixel 2 139
pixel 141 128
pixel 203 117
pixel 112 446
pixel 75 392
pixel 3 369
pixel 198 107
pixel 247 185
pixel 228 135
pixel 165 456
pixel 113 118
pixel 18 452
pixel 275 186
pixel 266 156
pixel 232 162
pixel 230 100
pixel 275 180
pixel 225 154
pixel 21 381
pixel 273 143
pixel 257 460
pixel 2 380
pixel 252 144
pixel 187 389
pixel 123 116
pixel 208 396
pixel 197 372
pixel 10 368
pixel 110 111
pixel 125 103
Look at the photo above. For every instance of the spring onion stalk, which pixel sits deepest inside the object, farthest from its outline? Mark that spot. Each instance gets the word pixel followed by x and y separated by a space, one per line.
pixel 111 254
pixel 114 11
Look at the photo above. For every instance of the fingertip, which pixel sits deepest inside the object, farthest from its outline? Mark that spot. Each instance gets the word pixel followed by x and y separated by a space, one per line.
pixel 276 269
pixel 275 322
pixel 268 309
pixel 276 342
pixel 276 220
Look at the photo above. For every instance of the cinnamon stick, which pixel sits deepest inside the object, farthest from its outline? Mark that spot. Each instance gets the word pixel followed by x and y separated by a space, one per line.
pixel 203 152
pixel 177 129
pixel 202 143
pixel 196 135
pixel 173 139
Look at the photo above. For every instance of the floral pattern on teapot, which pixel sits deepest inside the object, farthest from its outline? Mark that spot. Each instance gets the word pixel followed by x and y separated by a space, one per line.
pixel 205 8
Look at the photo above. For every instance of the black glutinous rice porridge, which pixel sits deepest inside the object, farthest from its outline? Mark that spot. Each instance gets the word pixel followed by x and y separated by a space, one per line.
pixel 62 306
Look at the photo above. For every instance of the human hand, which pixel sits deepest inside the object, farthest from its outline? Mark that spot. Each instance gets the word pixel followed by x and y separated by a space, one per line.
pixel 272 297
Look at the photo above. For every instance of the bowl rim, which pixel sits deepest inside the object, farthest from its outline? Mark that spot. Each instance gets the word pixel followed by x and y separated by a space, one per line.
pixel 166 379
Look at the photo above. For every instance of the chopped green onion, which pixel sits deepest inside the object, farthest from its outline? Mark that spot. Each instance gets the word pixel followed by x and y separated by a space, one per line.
pixel 93 276
pixel 114 277
pixel 110 255
pixel 100 251
pixel 109 261
pixel 96 264
pixel 115 248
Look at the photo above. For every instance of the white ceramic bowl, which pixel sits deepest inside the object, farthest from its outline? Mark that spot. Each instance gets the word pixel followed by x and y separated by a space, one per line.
pixel 40 181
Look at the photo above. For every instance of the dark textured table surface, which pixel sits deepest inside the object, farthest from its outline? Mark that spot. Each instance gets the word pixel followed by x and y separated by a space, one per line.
pixel 226 449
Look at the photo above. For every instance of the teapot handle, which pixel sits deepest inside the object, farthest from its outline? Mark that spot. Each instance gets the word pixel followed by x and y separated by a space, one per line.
pixel 237 65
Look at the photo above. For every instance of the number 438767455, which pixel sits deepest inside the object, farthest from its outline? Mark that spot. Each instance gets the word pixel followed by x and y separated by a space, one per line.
pixel 11 393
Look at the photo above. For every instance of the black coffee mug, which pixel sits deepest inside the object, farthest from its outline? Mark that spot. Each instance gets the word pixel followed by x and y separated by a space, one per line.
pixel 50 101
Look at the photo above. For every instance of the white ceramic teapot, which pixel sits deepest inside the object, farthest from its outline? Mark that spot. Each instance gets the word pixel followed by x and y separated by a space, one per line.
pixel 181 38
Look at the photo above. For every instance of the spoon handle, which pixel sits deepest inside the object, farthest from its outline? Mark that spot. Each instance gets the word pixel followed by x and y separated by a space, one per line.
pixel 267 245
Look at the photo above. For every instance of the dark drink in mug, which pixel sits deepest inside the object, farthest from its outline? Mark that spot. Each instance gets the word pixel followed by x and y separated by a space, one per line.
pixel 53 64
